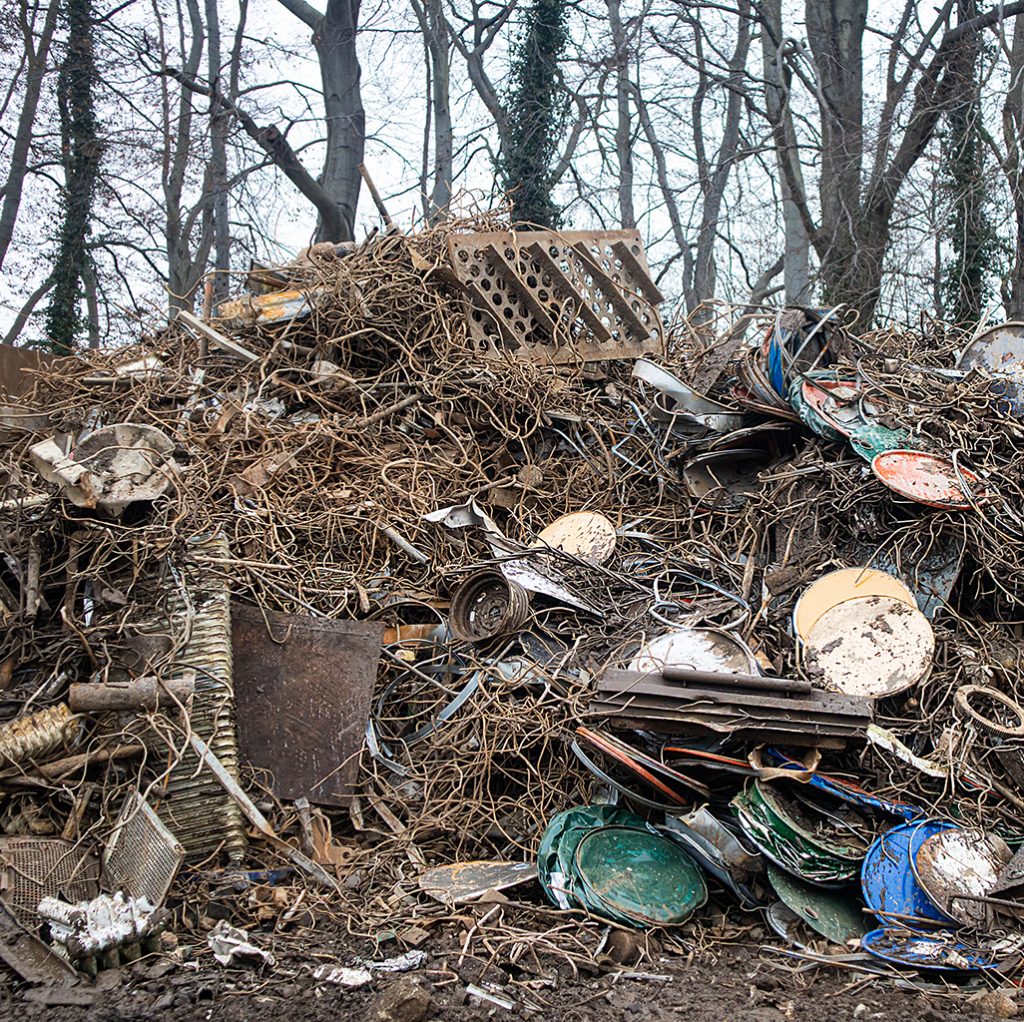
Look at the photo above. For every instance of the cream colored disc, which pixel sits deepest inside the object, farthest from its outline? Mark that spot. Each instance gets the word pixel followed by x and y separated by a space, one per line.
pixel 698 649
pixel 839 586
pixel 584 534
pixel 872 646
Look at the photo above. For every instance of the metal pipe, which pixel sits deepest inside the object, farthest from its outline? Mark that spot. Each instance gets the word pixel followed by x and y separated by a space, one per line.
pixel 717 678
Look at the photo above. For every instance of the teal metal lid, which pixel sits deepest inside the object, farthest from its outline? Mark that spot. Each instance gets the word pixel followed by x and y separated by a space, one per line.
pixel 639 877
pixel 556 855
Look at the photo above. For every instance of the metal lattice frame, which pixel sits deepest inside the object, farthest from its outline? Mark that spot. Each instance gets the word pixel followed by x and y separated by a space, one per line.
pixel 559 297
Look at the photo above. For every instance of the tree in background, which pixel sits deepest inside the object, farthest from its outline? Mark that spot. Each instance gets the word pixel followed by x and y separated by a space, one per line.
pixel 967 276
pixel 1010 157
pixel 335 34
pixel 81 152
pixel 535 108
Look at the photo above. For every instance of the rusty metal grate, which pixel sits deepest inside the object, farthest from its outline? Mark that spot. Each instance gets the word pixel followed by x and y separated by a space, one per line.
pixel 191 802
pixel 142 855
pixel 559 297
pixel 33 868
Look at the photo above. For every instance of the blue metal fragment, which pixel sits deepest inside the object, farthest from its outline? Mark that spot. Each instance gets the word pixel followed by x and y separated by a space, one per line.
pixel 888 883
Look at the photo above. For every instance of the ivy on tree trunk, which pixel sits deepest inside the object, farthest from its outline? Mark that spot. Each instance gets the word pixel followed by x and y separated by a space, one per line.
pixel 81 151
pixel 535 109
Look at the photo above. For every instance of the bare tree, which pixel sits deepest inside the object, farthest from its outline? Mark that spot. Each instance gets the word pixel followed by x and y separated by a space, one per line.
pixel 437 46
pixel 81 153
pixel 335 33
pixel 31 19
pixel 857 189
pixel 778 79
pixel 474 34
pixel 1011 160
pixel 621 58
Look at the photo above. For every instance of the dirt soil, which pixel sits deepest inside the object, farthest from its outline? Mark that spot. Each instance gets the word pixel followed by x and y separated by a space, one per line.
pixel 742 983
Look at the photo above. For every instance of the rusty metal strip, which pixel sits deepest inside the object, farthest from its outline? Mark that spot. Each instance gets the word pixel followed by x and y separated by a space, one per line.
pixel 632 682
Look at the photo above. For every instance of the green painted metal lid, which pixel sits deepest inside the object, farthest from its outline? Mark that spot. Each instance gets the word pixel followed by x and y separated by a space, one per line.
pixel 639 877
pixel 782 844
pixel 565 830
pixel 837 915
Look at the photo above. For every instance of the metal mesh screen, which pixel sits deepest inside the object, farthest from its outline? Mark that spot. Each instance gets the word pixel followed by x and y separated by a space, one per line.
pixel 142 855
pixel 33 868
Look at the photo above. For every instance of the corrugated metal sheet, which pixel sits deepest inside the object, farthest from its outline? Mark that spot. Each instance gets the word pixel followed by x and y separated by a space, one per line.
pixel 191 802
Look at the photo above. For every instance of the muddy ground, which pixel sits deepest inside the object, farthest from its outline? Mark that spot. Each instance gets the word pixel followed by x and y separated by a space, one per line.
pixel 738 983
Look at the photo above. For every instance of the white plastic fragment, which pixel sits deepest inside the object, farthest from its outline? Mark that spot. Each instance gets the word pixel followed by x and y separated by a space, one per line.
pixel 340 975
pixel 229 944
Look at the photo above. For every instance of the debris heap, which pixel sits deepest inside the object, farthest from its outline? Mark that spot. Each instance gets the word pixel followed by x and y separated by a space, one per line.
pixel 442 548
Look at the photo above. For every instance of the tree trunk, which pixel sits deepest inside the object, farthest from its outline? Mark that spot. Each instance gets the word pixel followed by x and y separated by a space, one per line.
pixel 434 27
pixel 1013 164
pixel 535 114
pixel 835 32
pixel 218 168
pixel 81 152
pixel 335 41
pixel 187 251
pixel 92 304
pixel 623 124
pixel 35 70
pixel 715 179
pixel 796 246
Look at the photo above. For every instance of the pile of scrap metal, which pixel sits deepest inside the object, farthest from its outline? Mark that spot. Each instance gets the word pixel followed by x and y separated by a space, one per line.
pixel 435 565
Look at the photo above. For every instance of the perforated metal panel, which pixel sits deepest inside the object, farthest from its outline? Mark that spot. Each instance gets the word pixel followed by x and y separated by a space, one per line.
pixel 559 297
pixel 33 868
pixel 142 855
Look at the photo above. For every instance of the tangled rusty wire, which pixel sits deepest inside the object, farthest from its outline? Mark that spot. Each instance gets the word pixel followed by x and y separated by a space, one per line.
pixel 318 461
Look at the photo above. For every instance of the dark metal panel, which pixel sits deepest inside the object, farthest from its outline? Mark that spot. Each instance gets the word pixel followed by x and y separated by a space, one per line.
pixel 303 697
pixel 28 956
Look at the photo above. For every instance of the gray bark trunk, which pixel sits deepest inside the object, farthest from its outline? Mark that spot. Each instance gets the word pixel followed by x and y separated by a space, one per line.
pixel 35 70
pixel 1013 137
pixel 434 27
pixel 219 125
pixel 186 260
pixel 796 272
pixel 835 32
pixel 623 125
pixel 715 178
pixel 335 42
